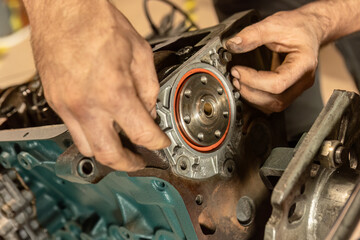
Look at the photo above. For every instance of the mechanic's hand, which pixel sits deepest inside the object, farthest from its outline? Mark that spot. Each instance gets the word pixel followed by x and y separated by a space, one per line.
pixel 97 70
pixel 295 33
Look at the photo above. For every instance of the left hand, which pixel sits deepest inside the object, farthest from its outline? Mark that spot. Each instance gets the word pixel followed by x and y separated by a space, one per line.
pixel 293 32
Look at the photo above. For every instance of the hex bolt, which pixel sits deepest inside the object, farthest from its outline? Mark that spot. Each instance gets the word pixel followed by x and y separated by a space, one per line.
pixel 200 136
pixel 187 93
pixel 218 133
pixel 187 119
pixel 203 80
pixel 220 91
pixel 226 114
pixel 245 210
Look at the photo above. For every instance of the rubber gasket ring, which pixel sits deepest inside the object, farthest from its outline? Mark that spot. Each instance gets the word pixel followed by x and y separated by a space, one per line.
pixel 184 136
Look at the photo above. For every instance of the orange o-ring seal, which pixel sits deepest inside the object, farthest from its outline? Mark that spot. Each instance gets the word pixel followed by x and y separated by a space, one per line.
pixel 177 113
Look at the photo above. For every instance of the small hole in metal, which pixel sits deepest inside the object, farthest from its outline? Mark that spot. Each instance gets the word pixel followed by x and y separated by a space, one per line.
pixel 208 109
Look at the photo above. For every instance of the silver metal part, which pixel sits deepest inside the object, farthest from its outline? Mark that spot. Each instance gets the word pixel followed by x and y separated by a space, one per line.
pixel 205 115
pixel 18 214
pixel 205 108
pixel 309 198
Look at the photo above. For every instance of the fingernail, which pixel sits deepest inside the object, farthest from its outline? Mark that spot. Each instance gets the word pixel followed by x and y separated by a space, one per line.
pixel 236 83
pixel 153 113
pixel 235 73
pixel 236 40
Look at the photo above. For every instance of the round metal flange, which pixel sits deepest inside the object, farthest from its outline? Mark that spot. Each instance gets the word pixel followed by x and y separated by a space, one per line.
pixel 202 109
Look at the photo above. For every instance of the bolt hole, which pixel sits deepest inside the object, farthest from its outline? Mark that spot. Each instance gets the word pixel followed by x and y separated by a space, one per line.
pixel 230 169
pixel 24 162
pixel 296 212
pixel 183 166
pixel 207 223
pixel 208 109
pixel 199 199
pixel 86 168
pixel 302 189
pixel 159 185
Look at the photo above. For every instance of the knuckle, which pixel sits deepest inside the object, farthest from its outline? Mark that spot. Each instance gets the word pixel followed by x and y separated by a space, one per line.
pixel 278 105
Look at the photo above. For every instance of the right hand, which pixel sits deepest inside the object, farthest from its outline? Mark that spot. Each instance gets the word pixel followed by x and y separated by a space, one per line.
pixel 97 70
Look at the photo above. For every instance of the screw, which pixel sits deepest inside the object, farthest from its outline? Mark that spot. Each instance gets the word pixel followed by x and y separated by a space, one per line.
pixel 187 119
pixel 187 93
pixel 203 80
pixel 200 136
pixel 245 210
pixel 218 133
pixel 220 91
pixel 237 95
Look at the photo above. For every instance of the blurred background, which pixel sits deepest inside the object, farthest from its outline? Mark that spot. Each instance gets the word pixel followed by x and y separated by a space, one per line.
pixel 17 65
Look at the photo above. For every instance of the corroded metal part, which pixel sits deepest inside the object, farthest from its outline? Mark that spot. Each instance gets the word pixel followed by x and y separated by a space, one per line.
pixel 307 194
pixel 18 213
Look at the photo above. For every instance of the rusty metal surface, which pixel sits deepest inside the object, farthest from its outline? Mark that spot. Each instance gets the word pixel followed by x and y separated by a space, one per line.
pixel 212 203
pixel 338 121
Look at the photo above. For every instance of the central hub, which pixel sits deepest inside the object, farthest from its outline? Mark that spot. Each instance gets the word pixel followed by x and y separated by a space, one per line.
pixel 202 110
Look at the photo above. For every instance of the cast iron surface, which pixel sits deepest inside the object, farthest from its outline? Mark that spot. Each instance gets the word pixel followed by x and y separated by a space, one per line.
pixel 292 214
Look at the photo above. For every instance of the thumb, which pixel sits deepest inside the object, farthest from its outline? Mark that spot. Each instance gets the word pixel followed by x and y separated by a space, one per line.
pixel 248 39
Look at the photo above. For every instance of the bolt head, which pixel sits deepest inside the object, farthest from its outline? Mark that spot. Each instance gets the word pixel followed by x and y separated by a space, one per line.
pixel 203 80
pixel 187 93
pixel 245 210
pixel 200 136
pixel 218 133
pixel 187 119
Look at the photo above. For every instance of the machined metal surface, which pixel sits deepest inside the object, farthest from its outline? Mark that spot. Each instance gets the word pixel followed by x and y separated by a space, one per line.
pixel 203 110
pixel 215 179
pixel 309 198
pixel 198 107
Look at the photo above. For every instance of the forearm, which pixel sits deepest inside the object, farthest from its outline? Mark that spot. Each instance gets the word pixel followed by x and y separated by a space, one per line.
pixel 335 18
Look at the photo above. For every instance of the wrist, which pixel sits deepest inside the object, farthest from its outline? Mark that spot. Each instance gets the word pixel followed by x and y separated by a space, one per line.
pixel 322 20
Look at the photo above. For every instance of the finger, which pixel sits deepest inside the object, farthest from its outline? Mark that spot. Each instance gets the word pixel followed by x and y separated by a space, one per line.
pixel 73 126
pixel 138 125
pixel 106 144
pixel 278 81
pixel 78 136
pixel 145 79
pixel 250 38
pixel 268 102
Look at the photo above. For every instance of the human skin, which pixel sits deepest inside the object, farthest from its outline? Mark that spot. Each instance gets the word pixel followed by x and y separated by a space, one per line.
pixel 97 70
pixel 298 34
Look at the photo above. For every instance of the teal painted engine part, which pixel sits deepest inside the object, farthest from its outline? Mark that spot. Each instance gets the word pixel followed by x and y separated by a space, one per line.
pixel 117 207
